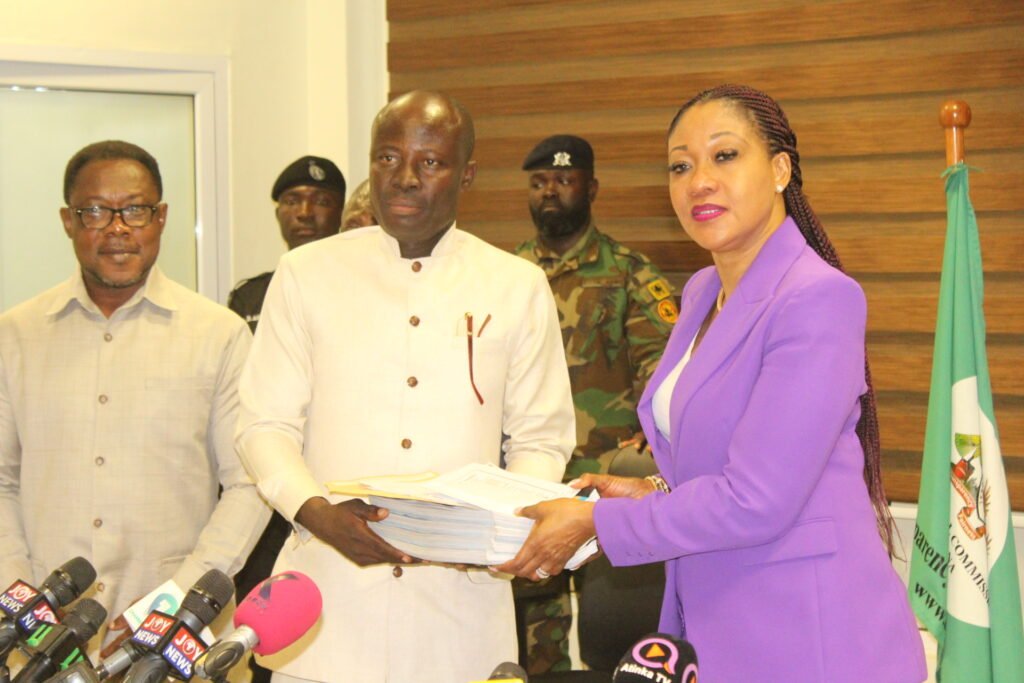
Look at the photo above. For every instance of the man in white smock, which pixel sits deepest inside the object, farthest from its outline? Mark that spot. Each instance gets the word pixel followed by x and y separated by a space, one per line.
pixel 401 348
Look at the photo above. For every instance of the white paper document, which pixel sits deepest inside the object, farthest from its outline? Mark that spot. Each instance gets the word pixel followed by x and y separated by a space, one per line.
pixel 465 516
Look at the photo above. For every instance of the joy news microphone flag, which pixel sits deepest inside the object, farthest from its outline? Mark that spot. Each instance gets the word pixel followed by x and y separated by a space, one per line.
pixel 963 567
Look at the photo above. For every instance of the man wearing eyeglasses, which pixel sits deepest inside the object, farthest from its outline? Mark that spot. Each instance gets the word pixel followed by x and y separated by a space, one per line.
pixel 118 404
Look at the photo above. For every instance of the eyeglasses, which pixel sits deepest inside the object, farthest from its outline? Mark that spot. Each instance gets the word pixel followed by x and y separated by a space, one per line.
pixel 99 217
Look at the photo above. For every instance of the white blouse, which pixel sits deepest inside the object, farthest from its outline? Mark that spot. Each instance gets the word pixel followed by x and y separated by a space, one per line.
pixel 663 396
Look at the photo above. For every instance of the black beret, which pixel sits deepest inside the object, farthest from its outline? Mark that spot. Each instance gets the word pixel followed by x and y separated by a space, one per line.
pixel 561 151
pixel 309 170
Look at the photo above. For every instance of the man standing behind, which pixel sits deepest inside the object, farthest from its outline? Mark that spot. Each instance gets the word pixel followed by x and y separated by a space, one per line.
pixel 615 307
pixel 118 402
pixel 616 311
pixel 435 345
pixel 358 213
pixel 310 194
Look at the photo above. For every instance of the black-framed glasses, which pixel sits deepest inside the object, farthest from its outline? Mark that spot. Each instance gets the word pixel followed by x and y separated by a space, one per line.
pixel 99 217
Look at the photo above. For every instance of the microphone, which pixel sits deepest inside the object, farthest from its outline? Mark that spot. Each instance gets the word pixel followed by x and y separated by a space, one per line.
pixel 55 647
pixel 658 657
pixel 276 613
pixel 165 645
pixel 23 607
pixel 509 672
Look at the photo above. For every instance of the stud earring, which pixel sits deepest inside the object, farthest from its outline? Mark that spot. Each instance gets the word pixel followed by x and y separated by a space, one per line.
pixel 779 188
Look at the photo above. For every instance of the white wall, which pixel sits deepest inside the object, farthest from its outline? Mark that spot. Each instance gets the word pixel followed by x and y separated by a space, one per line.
pixel 289 92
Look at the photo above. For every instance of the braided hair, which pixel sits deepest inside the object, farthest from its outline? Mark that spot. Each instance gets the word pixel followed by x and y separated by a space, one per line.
pixel 771 123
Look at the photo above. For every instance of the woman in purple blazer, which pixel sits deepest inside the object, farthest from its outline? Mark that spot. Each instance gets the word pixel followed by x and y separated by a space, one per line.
pixel 769 511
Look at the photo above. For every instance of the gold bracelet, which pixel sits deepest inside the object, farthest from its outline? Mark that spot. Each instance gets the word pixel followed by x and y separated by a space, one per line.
pixel 659 483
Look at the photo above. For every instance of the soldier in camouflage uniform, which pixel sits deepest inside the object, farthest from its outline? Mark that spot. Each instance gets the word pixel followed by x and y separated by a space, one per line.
pixel 616 310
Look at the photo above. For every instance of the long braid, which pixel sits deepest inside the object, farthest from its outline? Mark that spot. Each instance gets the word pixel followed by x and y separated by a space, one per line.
pixel 773 126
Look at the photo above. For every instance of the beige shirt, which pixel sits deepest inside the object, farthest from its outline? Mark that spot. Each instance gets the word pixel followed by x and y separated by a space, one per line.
pixel 115 435
pixel 360 367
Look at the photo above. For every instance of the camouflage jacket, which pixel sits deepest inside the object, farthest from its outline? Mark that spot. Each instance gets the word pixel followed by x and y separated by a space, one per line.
pixel 616 310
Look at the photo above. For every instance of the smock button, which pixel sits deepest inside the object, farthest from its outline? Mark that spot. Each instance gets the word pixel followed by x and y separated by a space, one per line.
pixel 414 321
pixel 103 398
pixel 412 381
pixel 417 266
pixel 108 337
pixel 97 523
pixel 406 443
pixel 397 571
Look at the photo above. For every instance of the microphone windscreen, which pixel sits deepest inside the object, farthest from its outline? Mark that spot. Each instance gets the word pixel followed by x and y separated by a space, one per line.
pixel 280 610
pixel 70 580
pixel 658 656
pixel 85 619
pixel 208 596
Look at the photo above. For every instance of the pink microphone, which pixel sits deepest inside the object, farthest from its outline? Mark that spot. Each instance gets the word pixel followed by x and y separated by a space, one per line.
pixel 276 613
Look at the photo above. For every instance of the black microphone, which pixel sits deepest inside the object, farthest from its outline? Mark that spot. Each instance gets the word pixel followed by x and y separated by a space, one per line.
pixel 658 657
pixel 509 671
pixel 23 608
pixel 55 647
pixel 165 645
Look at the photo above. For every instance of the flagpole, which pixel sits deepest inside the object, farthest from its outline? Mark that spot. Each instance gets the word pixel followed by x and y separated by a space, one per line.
pixel 955 116
pixel 963 583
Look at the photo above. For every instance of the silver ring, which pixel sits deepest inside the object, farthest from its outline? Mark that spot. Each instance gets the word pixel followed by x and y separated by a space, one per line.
pixel 542 574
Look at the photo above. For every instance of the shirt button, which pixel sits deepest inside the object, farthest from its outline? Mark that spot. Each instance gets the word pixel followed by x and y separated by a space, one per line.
pixel 108 337
pixel 397 571
pixel 412 381
pixel 417 266
pixel 103 398
pixel 97 523
pixel 100 586
pixel 406 443
pixel 414 321
pixel 100 461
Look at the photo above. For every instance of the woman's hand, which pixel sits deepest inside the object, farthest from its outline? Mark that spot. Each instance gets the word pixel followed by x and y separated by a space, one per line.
pixel 561 527
pixel 610 486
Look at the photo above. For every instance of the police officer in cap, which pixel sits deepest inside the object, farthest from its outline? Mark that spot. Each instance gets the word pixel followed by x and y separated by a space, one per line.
pixel 310 194
pixel 616 310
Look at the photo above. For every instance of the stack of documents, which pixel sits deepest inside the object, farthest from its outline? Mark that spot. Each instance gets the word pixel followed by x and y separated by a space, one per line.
pixel 466 516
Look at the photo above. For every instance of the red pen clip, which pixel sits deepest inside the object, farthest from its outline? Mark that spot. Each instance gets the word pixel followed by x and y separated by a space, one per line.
pixel 469 346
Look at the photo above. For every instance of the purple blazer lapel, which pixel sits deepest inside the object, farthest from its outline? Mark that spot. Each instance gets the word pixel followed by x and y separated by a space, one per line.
pixel 698 295
pixel 738 316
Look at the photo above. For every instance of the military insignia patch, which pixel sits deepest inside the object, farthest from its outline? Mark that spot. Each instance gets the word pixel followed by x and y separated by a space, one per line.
pixel 561 159
pixel 315 172
pixel 659 289
pixel 667 311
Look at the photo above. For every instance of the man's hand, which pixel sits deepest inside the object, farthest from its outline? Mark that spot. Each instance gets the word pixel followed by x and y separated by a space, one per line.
pixel 120 630
pixel 610 486
pixel 344 527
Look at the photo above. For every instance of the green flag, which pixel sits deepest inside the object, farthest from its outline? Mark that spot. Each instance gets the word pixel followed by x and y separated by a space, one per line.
pixel 963 566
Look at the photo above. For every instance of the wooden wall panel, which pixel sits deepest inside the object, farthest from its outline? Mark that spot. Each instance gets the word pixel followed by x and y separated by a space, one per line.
pixel 861 81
